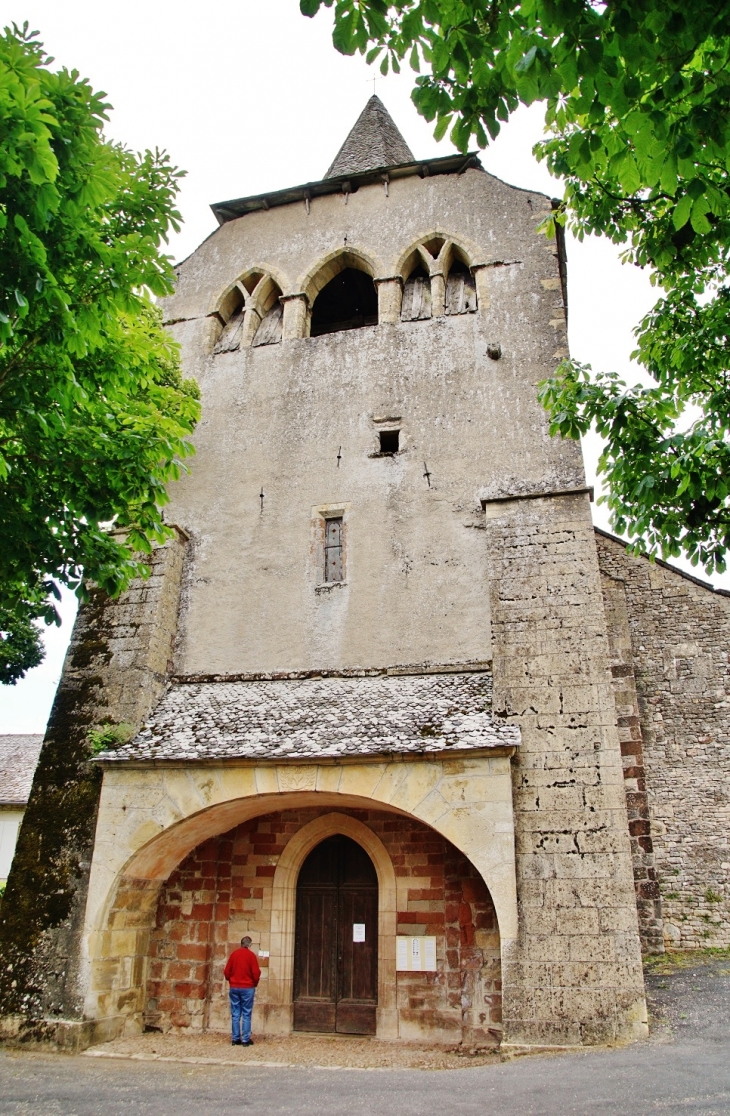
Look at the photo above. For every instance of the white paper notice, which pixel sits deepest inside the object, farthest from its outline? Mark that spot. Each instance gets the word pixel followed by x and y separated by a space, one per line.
pixel 415 955
pixel 358 931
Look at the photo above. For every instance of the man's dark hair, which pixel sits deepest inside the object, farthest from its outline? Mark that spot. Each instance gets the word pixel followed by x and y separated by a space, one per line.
pixel 246 942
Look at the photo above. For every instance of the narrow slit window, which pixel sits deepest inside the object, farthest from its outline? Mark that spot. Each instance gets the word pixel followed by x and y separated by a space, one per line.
pixel 333 549
pixel 389 441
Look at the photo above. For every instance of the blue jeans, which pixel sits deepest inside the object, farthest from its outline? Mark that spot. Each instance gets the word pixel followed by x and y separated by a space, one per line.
pixel 241 1008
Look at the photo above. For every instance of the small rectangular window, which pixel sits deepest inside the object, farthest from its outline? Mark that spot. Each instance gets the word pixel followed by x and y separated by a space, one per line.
pixel 389 441
pixel 333 549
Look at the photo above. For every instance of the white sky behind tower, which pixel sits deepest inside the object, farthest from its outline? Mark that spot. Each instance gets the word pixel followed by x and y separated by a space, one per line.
pixel 250 97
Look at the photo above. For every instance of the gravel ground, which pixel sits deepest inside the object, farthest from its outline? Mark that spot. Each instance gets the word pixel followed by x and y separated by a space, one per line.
pixel 672 984
pixel 689 997
pixel 683 1070
pixel 342 1051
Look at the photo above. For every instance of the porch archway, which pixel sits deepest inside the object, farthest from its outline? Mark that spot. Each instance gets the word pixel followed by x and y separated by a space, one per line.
pixel 281 963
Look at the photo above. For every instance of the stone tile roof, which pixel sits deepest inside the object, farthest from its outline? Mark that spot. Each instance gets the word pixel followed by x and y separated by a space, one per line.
pixel 18 759
pixel 374 142
pixel 318 717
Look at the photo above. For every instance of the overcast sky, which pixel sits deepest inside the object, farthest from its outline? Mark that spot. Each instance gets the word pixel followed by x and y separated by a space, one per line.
pixel 250 97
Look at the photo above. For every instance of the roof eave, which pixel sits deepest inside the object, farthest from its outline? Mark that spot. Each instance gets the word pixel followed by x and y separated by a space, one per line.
pixel 107 760
pixel 345 183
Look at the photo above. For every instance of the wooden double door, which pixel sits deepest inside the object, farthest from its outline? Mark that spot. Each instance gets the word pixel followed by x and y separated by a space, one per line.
pixel 336 945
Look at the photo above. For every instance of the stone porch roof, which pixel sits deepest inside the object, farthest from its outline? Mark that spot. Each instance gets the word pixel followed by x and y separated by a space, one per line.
pixel 312 718
pixel 18 758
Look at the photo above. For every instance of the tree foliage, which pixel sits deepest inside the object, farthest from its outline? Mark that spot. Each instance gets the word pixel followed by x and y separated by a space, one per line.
pixel 20 646
pixel 637 97
pixel 95 417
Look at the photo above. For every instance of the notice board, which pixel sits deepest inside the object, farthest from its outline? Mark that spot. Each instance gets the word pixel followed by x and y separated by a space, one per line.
pixel 415 955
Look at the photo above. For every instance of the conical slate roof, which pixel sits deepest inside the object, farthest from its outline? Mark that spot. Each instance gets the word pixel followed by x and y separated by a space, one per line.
pixel 373 142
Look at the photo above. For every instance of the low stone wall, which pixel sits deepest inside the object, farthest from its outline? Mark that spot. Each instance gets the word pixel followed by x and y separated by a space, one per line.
pixel 223 890
pixel 680 652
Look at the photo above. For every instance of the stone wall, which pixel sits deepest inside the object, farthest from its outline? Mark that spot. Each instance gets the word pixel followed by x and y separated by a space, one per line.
pixel 576 974
pixel 116 668
pixel 299 421
pixel 648 900
pixel 679 633
pixel 223 890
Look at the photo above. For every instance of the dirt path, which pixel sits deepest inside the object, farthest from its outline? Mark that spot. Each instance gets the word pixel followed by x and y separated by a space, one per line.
pixel 344 1051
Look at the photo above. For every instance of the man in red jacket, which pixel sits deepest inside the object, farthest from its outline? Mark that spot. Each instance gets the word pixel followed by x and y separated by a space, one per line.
pixel 243 974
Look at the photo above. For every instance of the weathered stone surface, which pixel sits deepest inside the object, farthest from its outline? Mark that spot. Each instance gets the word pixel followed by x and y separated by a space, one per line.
pixel 116 667
pixel 151 818
pixel 679 633
pixel 648 901
pixel 316 718
pixel 333 702
pixel 575 974
pixel 224 889
pixel 275 419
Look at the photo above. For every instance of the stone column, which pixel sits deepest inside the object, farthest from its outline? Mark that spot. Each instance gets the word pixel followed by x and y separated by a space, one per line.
pixel 438 294
pixel 296 316
pixel 481 278
pixel 116 669
pixel 574 976
pixel 390 297
pixel 251 323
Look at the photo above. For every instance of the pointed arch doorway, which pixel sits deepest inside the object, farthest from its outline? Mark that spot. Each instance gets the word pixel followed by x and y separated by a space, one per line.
pixel 336 940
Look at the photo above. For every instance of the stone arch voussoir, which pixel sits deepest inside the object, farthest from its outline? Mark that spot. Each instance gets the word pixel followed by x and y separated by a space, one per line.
pixel 327 267
pixel 231 297
pixel 129 870
pixel 459 246
pixel 281 964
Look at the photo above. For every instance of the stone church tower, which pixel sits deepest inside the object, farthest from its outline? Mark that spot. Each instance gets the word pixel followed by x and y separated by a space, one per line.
pixel 374 722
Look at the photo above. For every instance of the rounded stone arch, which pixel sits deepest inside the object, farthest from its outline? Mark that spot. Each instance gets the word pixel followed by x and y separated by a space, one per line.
pixel 283 913
pixel 141 839
pixel 327 267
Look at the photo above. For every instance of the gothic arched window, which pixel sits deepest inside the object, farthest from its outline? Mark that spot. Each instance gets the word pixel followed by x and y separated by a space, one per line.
pixel 253 314
pixel 349 301
pixel 269 331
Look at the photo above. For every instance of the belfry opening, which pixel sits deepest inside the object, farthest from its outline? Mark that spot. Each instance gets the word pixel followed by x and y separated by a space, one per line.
pixel 349 301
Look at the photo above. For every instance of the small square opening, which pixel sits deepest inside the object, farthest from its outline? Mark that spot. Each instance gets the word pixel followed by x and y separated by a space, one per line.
pixel 389 440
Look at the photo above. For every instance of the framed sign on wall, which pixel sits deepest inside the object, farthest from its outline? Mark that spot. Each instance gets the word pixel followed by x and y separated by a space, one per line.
pixel 415 955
